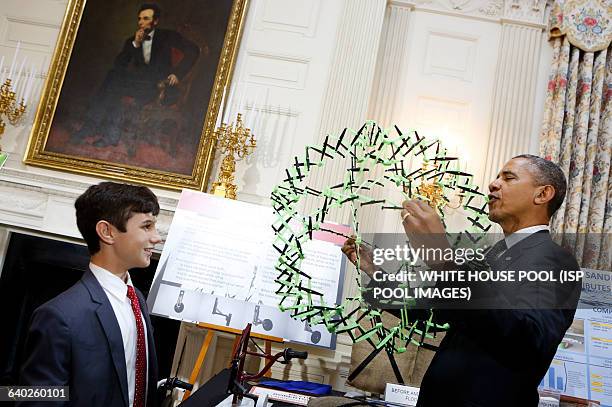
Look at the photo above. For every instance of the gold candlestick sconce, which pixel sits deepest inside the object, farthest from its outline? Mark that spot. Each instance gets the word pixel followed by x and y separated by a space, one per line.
pixel 236 142
pixel 10 109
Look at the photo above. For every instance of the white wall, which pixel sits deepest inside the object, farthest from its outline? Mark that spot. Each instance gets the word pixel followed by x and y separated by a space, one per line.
pixel 283 65
pixel 36 24
pixel 472 74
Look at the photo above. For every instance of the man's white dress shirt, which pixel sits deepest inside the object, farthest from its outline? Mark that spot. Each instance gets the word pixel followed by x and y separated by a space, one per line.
pixel 146 47
pixel 116 291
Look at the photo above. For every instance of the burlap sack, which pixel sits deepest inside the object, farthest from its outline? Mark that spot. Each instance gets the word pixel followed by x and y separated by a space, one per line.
pixel 412 364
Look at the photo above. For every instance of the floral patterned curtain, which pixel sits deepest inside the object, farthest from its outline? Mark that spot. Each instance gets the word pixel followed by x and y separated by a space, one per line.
pixel 586 23
pixel 577 128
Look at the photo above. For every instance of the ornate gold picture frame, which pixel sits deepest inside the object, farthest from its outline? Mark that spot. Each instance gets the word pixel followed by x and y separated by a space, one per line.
pixel 134 93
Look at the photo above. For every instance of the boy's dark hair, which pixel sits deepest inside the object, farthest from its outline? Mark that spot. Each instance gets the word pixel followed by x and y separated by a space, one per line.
pixel 114 203
pixel 151 6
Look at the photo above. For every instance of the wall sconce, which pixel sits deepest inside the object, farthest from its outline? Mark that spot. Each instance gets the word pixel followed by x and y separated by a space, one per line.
pixel 236 142
pixel 10 109
pixel 14 93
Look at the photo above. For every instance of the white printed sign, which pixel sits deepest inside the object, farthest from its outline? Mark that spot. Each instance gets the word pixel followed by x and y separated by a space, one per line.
pixel 404 395
pixel 218 267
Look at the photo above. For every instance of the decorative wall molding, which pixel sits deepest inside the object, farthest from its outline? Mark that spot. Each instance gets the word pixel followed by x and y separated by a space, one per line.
pixel 281 57
pixel 22 206
pixel 272 110
pixel 457 62
pixel 45 203
pixel 292 16
pixel 406 4
pixel 532 11
pixel 32 21
pixel 37 76
pixel 490 8
pixel 27 199
pixel 529 12
pixel 285 71
pixel 57 183
pixel 56 221
pixel 33 33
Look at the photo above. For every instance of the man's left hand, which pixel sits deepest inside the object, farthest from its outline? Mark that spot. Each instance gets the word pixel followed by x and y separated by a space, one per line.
pixel 173 80
pixel 366 262
pixel 420 218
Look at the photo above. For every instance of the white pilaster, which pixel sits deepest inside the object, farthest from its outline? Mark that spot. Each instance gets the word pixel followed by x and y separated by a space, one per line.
pixel 394 44
pixel 514 95
pixel 349 86
pixel 385 101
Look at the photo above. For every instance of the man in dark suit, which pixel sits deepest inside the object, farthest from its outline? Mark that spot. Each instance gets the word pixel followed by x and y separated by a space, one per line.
pixel 96 337
pixel 143 67
pixel 497 355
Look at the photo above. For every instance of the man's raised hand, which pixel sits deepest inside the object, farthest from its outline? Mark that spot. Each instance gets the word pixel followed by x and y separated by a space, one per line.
pixel 423 226
pixel 366 262
pixel 139 37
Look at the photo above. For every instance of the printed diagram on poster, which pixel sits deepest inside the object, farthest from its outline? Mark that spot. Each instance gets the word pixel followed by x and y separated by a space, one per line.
pixel 582 366
pixel 218 267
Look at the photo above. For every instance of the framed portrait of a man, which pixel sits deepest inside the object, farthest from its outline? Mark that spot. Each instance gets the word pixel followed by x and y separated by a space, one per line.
pixel 135 88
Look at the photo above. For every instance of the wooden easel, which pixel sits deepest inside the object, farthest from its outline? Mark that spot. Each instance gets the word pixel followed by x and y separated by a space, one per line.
pixel 212 331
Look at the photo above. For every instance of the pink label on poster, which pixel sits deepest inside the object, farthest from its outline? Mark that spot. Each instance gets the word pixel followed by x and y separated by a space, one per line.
pixel 190 200
pixel 212 206
pixel 336 238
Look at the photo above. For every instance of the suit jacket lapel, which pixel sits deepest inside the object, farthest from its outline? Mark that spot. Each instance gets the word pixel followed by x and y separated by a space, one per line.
pixel 109 323
pixel 157 40
pixel 515 253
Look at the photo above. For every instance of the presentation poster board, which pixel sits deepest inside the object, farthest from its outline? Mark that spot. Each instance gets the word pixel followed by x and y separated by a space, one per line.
pixel 218 267
pixel 582 366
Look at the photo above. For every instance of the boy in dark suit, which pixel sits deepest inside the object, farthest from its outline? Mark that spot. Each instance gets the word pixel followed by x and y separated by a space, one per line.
pixel 96 337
